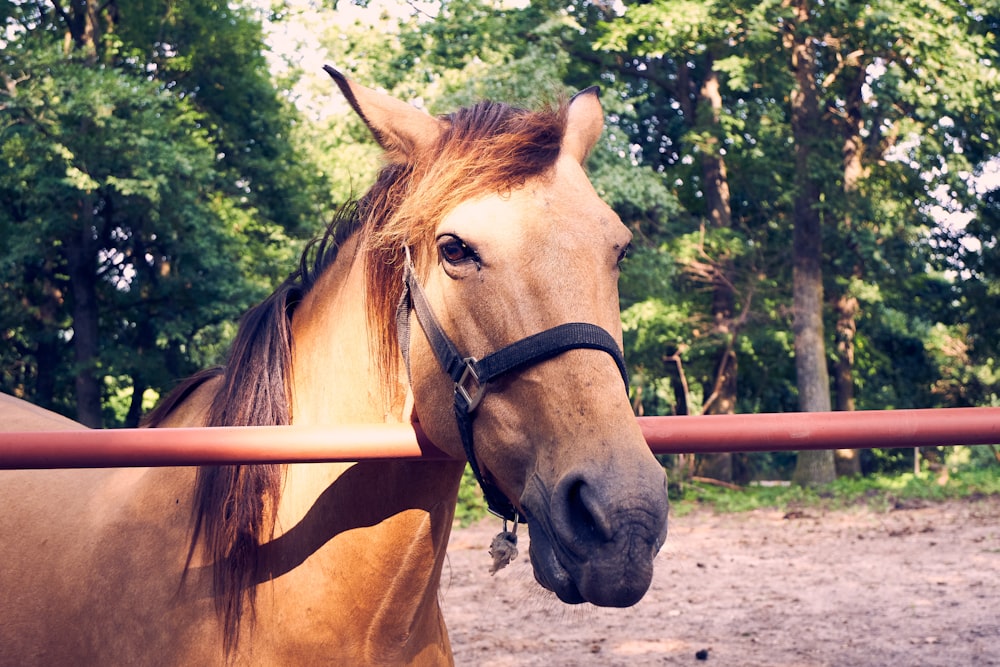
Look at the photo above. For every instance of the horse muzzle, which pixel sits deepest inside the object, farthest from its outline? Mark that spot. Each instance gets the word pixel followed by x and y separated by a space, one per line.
pixel 594 541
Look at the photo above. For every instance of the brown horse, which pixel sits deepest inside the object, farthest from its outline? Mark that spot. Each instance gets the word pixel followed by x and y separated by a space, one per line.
pixel 483 225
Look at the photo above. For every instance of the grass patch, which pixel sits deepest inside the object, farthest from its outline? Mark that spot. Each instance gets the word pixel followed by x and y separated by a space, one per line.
pixel 880 492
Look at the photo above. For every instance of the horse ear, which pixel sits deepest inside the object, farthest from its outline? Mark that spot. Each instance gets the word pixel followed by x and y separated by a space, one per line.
pixel 584 123
pixel 396 126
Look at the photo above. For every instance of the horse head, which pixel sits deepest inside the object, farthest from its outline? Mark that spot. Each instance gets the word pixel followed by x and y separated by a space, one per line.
pixel 493 226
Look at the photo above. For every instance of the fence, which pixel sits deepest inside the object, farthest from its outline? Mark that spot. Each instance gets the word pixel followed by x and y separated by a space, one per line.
pixel 665 435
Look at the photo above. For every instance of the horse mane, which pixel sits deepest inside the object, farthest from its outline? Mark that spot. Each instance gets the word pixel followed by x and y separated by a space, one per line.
pixel 489 147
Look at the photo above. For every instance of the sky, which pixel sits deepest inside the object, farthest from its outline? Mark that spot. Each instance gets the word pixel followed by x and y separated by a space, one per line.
pixel 297 39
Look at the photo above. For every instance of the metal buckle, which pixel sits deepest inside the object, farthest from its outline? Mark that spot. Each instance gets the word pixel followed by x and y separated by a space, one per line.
pixel 472 395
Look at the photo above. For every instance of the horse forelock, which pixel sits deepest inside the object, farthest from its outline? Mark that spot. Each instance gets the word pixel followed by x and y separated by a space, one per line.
pixel 486 148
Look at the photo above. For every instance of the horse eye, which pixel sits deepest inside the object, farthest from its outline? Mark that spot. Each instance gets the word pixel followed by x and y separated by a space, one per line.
pixel 456 251
pixel 623 255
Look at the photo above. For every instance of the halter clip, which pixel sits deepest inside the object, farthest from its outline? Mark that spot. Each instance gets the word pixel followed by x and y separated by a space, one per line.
pixel 469 387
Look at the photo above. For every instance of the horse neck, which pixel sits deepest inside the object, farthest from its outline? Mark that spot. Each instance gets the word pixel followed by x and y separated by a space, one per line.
pixel 334 380
pixel 405 508
pixel 334 375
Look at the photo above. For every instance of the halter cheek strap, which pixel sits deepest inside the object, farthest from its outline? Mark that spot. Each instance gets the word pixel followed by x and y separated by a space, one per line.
pixel 471 376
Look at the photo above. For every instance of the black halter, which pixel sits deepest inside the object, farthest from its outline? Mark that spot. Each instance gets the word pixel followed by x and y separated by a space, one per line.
pixel 471 376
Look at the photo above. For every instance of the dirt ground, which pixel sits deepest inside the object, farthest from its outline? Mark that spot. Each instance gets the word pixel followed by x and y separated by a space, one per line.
pixel 918 585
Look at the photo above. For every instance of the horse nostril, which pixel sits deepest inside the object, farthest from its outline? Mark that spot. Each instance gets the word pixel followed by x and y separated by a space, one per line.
pixel 585 513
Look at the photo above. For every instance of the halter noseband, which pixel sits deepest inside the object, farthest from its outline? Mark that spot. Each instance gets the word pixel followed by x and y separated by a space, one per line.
pixel 471 376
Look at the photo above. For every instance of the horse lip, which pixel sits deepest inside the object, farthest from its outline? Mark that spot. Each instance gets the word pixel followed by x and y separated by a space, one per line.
pixel 568 579
pixel 561 570
pixel 547 567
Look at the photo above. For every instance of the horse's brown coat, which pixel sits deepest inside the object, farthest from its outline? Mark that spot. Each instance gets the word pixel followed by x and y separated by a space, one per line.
pixel 96 564
pixel 19 415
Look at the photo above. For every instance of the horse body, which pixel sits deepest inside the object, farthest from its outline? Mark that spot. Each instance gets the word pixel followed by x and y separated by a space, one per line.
pixel 20 415
pixel 87 558
pixel 100 566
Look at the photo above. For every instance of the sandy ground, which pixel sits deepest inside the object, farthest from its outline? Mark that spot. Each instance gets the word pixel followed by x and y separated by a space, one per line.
pixel 918 585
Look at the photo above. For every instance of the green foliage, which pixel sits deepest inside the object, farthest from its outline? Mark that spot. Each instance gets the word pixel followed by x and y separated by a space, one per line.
pixel 883 245
pixel 204 180
pixel 82 133
pixel 471 505
pixel 149 184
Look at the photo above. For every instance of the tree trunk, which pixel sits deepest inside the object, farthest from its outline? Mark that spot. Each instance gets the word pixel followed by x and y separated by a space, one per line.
pixel 716 189
pixel 845 305
pixel 722 399
pixel 83 25
pixel 83 37
pixel 722 402
pixel 812 467
pixel 47 364
pixel 846 309
pixel 46 341
pixel 134 415
pixel 848 461
pixel 679 384
pixel 81 254
pixel 713 165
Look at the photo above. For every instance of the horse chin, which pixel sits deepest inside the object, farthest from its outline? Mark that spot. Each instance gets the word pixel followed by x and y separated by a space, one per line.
pixel 614 581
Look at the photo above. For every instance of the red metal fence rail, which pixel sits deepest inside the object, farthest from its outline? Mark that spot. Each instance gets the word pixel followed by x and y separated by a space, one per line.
pixel 665 435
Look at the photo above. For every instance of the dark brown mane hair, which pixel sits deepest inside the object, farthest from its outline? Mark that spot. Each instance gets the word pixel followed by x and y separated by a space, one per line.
pixel 488 147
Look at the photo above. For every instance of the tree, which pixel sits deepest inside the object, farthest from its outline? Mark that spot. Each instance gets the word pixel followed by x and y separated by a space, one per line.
pixel 143 205
pixel 876 89
pixel 682 48
pixel 815 466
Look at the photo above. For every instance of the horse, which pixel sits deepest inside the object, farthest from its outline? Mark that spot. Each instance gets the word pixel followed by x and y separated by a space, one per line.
pixel 473 290
pixel 20 415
